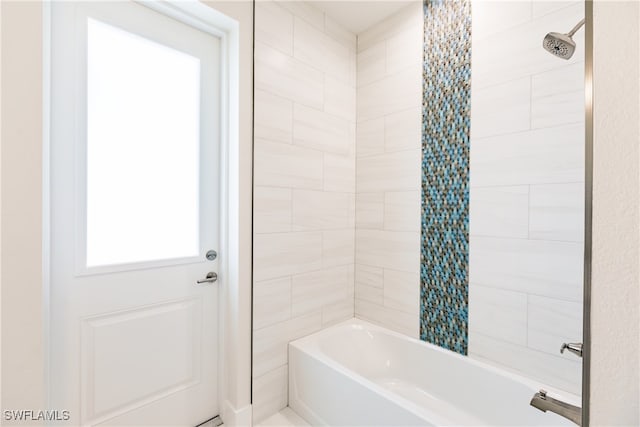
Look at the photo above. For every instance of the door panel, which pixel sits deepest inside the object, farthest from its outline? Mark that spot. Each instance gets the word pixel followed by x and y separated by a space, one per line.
pixel 134 209
pixel 162 357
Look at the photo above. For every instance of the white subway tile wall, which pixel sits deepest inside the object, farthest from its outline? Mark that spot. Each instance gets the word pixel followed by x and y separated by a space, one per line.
pixel 389 97
pixel 270 390
pixel 305 182
pixel 337 185
pixel 527 186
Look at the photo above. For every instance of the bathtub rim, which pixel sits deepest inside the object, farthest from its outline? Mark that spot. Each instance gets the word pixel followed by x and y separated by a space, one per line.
pixel 316 353
pixel 309 345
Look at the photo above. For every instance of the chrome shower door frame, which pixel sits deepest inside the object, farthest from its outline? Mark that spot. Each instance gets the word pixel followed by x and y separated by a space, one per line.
pixel 588 207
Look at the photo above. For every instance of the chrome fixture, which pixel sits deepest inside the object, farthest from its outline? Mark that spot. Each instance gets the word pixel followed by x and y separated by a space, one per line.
pixel 545 403
pixel 573 347
pixel 211 255
pixel 561 45
pixel 210 278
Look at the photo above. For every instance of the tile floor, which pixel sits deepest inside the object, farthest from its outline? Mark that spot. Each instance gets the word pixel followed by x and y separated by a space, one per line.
pixel 284 418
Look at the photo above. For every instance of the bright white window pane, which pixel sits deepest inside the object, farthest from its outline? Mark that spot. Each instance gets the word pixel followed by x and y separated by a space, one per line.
pixel 143 111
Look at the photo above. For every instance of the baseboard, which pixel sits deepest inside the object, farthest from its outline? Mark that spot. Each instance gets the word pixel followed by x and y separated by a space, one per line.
pixel 233 417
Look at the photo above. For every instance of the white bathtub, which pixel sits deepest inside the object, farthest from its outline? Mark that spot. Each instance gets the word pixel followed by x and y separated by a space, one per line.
pixel 359 374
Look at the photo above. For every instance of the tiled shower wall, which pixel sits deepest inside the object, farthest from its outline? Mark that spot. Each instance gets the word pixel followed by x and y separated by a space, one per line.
pixel 389 98
pixel 304 191
pixel 330 211
pixel 526 196
pixel 527 185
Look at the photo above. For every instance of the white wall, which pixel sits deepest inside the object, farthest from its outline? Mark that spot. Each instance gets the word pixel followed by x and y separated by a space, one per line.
pixel 23 347
pixel 615 321
pixel 389 79
pixel 526 196
pixel 304 194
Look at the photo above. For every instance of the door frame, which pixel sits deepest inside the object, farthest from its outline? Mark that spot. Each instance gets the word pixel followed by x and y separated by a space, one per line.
pixel 209 20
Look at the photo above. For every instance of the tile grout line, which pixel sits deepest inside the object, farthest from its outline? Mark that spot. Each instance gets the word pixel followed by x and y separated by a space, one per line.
pixel 529 212
pixel 531 102
pixel 526 331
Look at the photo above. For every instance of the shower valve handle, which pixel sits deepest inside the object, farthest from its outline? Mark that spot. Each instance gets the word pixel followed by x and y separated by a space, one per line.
pixel 575 348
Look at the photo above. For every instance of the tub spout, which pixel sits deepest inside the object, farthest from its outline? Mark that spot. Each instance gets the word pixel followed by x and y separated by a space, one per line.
pixel 545 403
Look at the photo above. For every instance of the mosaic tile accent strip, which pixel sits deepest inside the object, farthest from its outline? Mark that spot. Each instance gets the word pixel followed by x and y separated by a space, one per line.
pixel 446 109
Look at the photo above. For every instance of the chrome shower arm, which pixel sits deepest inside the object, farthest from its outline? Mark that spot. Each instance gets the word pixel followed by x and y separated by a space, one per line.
pixel 576 28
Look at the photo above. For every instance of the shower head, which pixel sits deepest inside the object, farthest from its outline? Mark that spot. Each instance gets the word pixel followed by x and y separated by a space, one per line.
pixel 561 45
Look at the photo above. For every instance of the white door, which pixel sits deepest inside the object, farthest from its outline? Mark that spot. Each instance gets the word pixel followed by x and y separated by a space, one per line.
pixel 134 211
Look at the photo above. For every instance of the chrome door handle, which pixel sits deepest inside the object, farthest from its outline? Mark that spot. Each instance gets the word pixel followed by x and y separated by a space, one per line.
pixel 211 277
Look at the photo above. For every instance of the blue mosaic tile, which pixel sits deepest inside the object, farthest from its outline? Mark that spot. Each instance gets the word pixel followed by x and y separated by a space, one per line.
pixel 446 108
